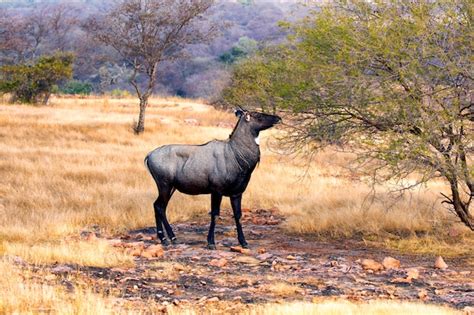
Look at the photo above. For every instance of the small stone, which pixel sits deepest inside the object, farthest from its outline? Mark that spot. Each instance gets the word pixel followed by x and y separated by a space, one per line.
pixel 391 263
pixel 241 250
pixel 440 264
pixel 291 257
pixel 218 262
pixel 412 273
pixel 247 260
pixel 261 250
pixel 422 294
pixel 202 299
pixel 465 273
pixel 146 254
pixel 213 299
pixel 155 250
pixel 61 269
pixel 265 256
pixel 175 301
pixel 370 264
pixel 135 252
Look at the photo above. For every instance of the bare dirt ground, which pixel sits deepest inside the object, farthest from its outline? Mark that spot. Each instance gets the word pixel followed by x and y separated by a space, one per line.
pixel 278 267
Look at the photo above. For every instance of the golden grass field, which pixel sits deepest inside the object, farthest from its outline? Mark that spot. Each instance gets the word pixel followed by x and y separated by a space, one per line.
pixel 76 165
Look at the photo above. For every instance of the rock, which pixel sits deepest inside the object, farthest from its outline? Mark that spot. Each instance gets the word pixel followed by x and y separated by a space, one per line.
pixel 370 264
pixel 423 294
pixel 241 250
pixel 213 299
pixel 218 262
pixel 247 260
pixel 391 263
pixel 291 257
pixel 261 250
pixel 440 264
pixel 465 273
pixel 134 252
pixel 412 273
pixel 468 310
pixel 146 254
pixel 61 269
pixel 154 250
pixel 265 256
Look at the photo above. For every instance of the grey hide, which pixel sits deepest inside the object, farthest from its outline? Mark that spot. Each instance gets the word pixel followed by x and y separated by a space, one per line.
pixel 220 168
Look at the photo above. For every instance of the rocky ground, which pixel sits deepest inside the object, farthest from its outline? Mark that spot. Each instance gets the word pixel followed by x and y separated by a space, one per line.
pixel 278 267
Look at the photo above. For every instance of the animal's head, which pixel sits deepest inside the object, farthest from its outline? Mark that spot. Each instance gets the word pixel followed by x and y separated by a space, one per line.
pixel 256 120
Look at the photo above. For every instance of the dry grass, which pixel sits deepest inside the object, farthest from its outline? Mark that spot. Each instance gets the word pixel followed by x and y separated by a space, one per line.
pixel 76 164
pixel 98 253
pixel 22 295
pixel 326 307
pixel 341 307
pixel 281 288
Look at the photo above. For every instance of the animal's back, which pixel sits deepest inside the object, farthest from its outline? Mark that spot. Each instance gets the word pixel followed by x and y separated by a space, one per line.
pixel 189 168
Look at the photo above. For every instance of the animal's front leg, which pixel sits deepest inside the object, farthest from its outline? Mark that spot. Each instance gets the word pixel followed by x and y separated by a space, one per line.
pixel 236 202
pixel 215 211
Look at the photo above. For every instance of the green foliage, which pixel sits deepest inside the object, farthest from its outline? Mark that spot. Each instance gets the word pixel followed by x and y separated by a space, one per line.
pixel 243 48
pixel 32 83
pixel 76 87
pixel 392 79
pixel 118 93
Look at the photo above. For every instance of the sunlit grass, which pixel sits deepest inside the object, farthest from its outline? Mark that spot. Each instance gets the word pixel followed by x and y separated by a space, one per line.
pixel 76 164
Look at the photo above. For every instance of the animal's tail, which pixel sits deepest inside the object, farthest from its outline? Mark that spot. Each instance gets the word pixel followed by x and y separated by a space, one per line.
pixel 147 166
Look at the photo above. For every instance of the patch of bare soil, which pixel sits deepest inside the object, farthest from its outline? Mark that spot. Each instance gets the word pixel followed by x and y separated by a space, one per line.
pixel 278 267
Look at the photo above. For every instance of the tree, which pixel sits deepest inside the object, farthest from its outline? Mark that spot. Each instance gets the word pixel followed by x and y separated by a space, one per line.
pixel 392 80
pixel 35 32
pixel 33 83
pixel 147 32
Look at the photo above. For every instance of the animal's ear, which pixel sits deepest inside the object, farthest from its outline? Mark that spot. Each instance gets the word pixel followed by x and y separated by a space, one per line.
pixel 238 112
pixel 247 116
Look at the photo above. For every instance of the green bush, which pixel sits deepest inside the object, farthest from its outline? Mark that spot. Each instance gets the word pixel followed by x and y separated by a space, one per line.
pixel 33 83
pixel 118 93
pixel 76 87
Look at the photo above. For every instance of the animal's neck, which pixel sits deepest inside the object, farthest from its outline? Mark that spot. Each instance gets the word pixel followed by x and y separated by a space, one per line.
pixel 244 145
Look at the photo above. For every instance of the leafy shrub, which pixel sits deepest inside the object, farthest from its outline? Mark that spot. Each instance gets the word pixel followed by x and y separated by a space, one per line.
pixel 76 87
pixel 32 83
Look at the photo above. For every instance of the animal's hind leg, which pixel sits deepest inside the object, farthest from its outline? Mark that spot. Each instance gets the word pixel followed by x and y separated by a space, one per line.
pixel 163 199
pixel 215 210
pixel 159 224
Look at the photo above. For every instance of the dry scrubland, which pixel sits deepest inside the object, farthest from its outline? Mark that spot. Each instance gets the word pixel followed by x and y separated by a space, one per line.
pixel 75 165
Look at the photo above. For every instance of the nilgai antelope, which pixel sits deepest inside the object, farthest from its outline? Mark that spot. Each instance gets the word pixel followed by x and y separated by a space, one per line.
pixel 220 168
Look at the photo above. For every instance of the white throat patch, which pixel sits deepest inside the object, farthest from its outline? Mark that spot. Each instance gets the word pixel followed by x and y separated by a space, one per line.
pixel 257 140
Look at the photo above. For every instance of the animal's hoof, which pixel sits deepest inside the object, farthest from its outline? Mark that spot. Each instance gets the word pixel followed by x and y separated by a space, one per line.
pixel 211 246
pixel 244 245
pixel 175 241
pixel 165 242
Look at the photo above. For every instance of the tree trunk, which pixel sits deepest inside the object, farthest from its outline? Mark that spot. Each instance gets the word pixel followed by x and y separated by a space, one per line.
pixel 461 209
pixel 140 127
